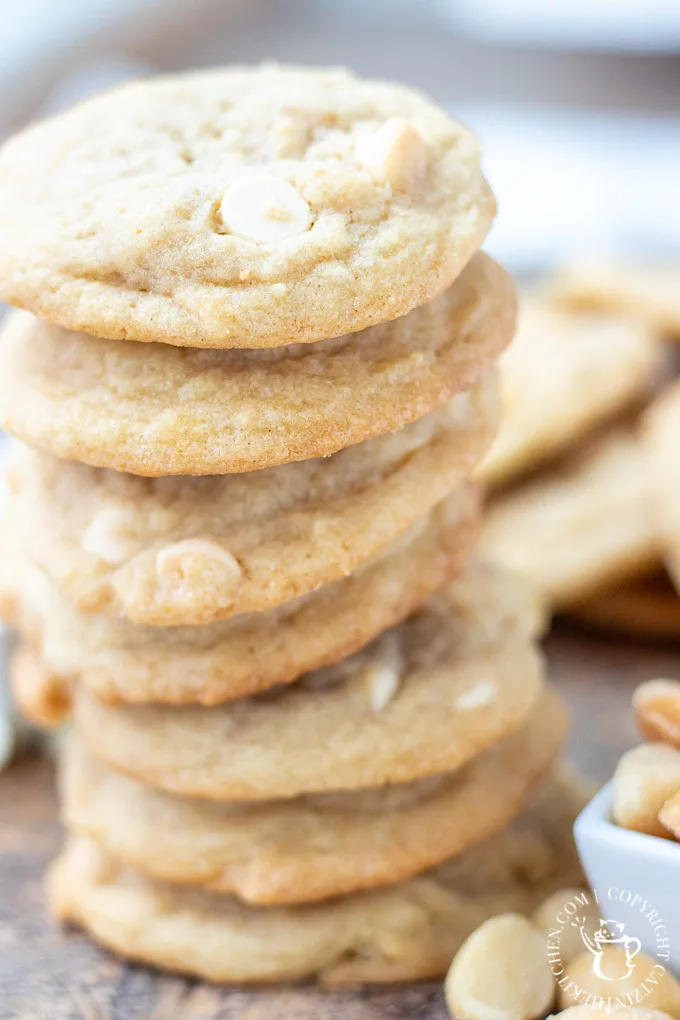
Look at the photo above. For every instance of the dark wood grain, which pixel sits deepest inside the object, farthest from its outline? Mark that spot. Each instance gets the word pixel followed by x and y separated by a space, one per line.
pixel 49 974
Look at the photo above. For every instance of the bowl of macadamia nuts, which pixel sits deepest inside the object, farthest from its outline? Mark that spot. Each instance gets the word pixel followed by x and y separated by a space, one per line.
pixel 612 949
pixel 628 835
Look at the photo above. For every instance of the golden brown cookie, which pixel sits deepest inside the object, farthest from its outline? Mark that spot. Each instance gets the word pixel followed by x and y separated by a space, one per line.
pixel 453 679
pixel 564 373
pixel 181 551
pixel 660 434
pixel 316 846
pixel 240 207
pixel 645 607
pixel 121 661
pixel 649 292
pixel 156 410
pixel 403 932
pixel 580 527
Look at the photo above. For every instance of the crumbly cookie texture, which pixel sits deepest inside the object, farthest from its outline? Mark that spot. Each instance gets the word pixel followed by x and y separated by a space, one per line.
pixel 564 373
pixel 404 932
pixel 316 846
pixel 121 661
pixel 464 675
pixel 172 411
pixel 183 551
pixel 581 526
pixel 660 436
pixel 248 207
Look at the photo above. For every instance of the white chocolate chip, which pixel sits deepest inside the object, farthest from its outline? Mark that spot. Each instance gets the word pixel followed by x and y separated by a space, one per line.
pixel 264 210
pixel 193 556
pixel 381 677
pixel 480 694
pixel 395 154
pixel 108 535
pixel 383 682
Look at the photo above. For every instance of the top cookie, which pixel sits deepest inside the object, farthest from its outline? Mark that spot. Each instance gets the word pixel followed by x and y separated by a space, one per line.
pixel 248 207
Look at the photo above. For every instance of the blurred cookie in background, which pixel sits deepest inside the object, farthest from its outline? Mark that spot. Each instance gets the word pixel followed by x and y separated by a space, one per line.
pixel 564 373
pixel 649 293
pixel 579 527
pixel 644 607
pixel 661 428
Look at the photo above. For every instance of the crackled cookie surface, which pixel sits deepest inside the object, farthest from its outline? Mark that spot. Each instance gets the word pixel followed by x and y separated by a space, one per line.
pixel 563 373
pixel 247 207
pixel 457 676
pixel 156 410
pixel 579 527
pixel 316 846
pixel 407 931
pixel 121 661
pixel 178 550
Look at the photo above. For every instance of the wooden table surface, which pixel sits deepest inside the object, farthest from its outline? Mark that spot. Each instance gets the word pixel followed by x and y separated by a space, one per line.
pixel 49 974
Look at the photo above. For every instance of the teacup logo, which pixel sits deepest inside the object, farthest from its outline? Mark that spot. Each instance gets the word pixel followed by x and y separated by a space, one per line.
pixel 610 933
pixel 626 954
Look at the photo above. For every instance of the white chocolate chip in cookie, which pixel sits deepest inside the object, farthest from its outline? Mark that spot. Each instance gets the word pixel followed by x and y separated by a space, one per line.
pixel 479 695
pixel 394 155
pixel 108 535
pixel 193 556
pixel 264 210
pixel 382 676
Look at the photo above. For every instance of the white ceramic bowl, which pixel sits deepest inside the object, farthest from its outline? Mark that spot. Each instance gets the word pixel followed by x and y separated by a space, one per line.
pixel 635 877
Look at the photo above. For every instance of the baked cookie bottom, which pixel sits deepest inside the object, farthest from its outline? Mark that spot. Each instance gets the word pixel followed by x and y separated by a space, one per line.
pixel 403 932
pixel 647 607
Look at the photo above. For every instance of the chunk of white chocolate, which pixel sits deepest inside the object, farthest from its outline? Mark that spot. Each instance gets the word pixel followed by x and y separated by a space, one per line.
pixel 395 154
pixel 108 535
pixel 382 676
pixel 264 210
pixel 193 556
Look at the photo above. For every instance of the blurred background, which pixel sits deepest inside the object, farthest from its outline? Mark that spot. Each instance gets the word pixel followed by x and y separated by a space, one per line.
pixel 575 101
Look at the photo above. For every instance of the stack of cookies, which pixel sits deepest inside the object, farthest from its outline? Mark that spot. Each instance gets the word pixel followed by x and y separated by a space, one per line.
pixel 250 383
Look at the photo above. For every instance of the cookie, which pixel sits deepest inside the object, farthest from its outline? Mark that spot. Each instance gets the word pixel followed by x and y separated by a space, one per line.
pixel 564 373
pixel 316 846
pixel 660 434
pixel 648 292
pixel 580 527
pixel 453 679
pixel 121 661
pixel 184 551
pixel 243 207
pixel 646 607
pixel 171 412
pixel 404 932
